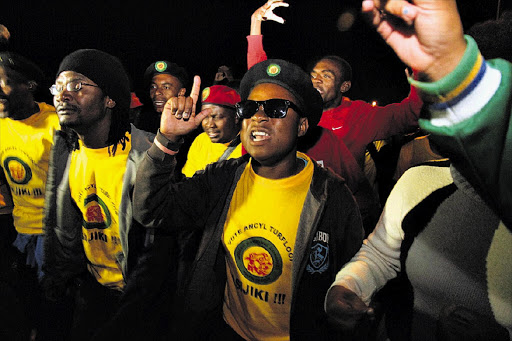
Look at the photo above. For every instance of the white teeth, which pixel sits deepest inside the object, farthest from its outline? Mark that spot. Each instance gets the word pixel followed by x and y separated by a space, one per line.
pixel 259 135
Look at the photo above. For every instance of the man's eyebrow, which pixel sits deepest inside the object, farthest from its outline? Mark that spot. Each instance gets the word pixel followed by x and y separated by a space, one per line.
pixel 165 83
pixel 324 70
pixel 329 71
pixel 74 79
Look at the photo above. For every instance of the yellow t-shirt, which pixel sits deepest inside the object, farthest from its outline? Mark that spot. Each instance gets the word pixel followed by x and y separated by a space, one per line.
pixel 203 151
pixel 259 236
pixel 96 183
pixel 24 155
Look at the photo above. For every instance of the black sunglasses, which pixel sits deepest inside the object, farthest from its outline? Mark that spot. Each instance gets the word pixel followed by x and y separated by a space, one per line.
pixel 274 108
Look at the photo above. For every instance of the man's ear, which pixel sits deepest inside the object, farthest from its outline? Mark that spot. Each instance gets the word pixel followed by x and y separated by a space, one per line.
pixel 303 126
pixel 345 86
pixel 182 92
pixel 110 103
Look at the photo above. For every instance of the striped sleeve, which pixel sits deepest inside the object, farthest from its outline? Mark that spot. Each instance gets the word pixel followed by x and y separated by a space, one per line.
pixel 461 94
pixel 468 118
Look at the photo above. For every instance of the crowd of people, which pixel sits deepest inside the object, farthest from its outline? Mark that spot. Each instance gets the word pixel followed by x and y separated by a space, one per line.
pixel 245 209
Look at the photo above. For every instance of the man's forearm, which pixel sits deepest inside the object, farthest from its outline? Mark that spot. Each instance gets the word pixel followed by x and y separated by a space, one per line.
pixel 151 190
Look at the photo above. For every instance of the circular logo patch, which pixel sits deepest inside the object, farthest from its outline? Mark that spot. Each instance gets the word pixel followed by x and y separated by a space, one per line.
pixel 97 215
pixel 258 260
pixel 273 70
pixel 205 94
pixel 17 170
pixel 160 66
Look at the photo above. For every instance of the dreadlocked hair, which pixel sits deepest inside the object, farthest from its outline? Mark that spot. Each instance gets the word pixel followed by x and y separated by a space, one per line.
pixel 119 126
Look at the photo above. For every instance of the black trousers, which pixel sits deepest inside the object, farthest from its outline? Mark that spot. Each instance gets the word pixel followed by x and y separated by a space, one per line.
pixel 95 304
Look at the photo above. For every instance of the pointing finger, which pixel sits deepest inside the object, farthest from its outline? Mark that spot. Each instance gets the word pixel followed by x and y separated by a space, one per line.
pixel 194 93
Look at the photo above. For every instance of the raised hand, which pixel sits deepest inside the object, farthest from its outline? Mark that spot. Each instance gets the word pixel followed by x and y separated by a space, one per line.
pixel 427 35
pixel 179 115
pixel 264 13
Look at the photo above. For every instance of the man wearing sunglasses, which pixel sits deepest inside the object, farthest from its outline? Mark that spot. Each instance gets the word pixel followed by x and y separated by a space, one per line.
pixel 322 143
pixel 275 225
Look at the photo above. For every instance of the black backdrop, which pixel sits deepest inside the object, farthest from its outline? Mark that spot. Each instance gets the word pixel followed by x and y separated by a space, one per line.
pixel 202 35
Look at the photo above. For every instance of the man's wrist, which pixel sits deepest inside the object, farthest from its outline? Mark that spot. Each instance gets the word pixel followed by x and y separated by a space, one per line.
pixel 447 63
pixel 168 146
pixel 434 91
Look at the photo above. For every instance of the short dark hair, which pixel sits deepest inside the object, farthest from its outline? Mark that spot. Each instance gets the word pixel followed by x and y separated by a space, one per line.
pixel 343 65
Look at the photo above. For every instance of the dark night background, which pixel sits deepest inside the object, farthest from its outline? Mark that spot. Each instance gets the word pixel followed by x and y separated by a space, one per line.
pixel 202 35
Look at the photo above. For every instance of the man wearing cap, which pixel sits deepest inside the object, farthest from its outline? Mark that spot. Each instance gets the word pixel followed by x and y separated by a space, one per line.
pixel 91 238
pixel 162 80
pixel 276 226
pixel 27 129
pixel 221 137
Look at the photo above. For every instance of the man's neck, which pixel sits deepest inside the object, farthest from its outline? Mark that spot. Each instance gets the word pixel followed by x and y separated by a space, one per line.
pixel 279 171
pixel 94 138
pixel 92 142
pixel 333 103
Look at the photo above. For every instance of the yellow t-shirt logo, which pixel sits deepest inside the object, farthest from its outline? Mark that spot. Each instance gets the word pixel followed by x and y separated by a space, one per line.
pixel 97 215
pixel 18 171
pixel 258 260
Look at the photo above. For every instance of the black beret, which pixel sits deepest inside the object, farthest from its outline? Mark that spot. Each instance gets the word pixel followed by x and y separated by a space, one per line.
pixel 292 78
pixel 22 65
pixel 163 66
pixel 103 69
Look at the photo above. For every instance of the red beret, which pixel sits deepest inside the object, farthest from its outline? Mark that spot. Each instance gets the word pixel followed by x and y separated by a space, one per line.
pixel 220 95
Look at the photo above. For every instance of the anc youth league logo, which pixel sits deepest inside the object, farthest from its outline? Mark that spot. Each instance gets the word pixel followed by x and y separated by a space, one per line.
pixel 160 66
pixel 258 260
pixel 17 170
pixel 205 94
pixel 97 215
pixel 273 70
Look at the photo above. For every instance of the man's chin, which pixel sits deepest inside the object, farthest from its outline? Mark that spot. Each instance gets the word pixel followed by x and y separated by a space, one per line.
pixel 64 123
pixel 158 108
